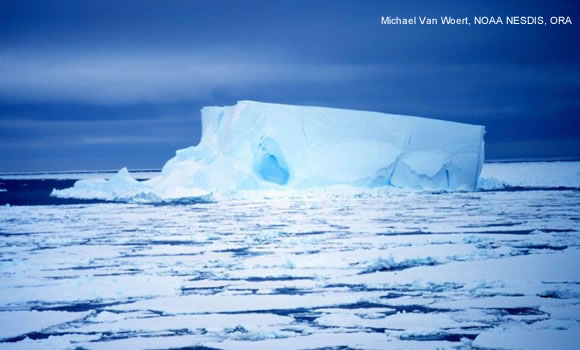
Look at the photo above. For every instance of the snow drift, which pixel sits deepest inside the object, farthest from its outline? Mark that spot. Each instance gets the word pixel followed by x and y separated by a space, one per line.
pixel 255 146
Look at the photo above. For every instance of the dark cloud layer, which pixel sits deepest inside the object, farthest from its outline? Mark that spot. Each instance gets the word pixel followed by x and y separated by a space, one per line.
pixel 105 84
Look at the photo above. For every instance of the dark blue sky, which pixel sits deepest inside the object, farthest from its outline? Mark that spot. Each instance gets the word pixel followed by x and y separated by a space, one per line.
pixel 106 84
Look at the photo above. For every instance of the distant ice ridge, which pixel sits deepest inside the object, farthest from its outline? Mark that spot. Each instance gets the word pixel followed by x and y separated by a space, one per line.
pixel 264 146
pixel 530 175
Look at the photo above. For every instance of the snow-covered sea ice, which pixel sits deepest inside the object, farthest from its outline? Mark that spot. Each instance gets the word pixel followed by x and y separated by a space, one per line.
pixel 372 269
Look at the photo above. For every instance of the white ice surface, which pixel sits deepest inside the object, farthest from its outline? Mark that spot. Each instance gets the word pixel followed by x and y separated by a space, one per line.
pixel 15 323
pixel 537 336
pixel 367 270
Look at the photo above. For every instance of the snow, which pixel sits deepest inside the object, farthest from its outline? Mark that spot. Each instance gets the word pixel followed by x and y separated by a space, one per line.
pixel 263 146
pixel 364 270
pixel 15 323
pixel 540 335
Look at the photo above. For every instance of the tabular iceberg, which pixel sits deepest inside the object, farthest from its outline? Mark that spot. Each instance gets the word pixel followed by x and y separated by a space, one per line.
pixel 254 145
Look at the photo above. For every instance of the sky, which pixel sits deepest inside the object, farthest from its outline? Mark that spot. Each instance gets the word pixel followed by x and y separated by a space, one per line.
pixel 89 85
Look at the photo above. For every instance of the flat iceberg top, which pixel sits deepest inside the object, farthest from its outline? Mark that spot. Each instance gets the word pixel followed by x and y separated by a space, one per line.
pixel 265 146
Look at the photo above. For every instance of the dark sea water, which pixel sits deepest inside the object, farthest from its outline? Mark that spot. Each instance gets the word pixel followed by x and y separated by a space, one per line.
pixel 35 192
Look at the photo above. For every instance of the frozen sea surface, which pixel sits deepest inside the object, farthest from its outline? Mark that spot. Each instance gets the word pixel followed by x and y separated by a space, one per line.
pixel 331 270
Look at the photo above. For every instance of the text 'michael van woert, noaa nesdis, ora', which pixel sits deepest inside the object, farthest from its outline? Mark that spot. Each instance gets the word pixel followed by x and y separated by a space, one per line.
pixel 476 20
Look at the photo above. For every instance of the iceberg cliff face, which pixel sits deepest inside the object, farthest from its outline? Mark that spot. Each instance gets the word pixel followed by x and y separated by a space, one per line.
pixel 253 145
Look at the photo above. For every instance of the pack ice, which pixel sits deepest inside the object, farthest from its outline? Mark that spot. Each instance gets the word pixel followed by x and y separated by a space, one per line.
pixel 255 146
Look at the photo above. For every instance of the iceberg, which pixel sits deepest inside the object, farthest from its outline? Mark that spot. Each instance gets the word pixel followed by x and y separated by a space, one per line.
pixel 266 146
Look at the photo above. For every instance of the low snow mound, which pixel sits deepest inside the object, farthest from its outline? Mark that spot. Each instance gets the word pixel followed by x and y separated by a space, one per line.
pixel 530 175
pixel 122 187
pixel 263 146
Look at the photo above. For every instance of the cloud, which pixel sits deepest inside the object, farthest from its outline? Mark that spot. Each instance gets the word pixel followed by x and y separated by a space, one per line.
pixel 118 140
pixel 158 78
pixel 154 79
pixel 97 140
pixel 552 148
pixel 37 133
pixel 20 123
